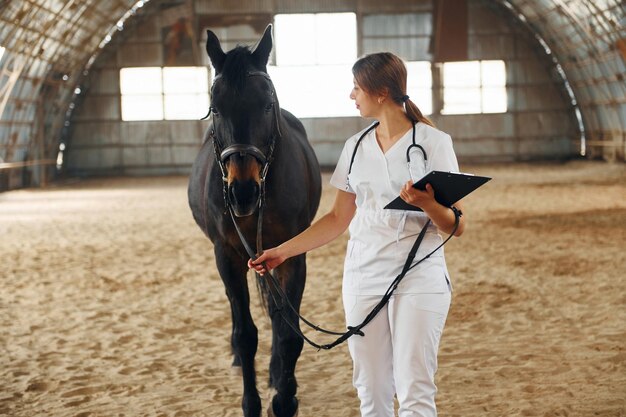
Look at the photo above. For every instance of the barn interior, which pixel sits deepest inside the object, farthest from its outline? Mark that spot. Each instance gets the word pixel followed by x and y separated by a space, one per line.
pixel 544 79
pixel 110 298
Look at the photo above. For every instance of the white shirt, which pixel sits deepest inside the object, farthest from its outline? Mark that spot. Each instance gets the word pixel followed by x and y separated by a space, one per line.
pixel 380 239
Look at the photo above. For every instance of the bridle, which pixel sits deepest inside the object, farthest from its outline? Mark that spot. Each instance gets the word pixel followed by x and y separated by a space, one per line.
pixel 222 154
pixel 272 285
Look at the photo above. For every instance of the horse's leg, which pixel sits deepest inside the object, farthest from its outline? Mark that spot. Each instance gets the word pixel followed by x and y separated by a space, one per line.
pixel 244 339
pixel 236 365
pixel 286 344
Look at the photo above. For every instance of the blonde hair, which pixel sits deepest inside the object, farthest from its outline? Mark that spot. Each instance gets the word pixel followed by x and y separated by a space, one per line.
pixel 385 73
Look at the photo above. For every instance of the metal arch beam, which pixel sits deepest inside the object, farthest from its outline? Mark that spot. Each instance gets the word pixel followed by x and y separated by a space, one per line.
pixel 605 88
pixel 611 122
pixel 592 49
pixel 19 59
pixel 14 64
pixel 585 34
pixel 521 18
pixel 18 63
pixel 609 26
pixel 611 113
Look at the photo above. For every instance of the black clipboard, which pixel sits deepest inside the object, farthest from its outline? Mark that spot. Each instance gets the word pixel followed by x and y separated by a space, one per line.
pixel 449 188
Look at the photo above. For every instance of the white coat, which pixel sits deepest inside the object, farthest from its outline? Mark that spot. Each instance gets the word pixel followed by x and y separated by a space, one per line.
pixel 380 239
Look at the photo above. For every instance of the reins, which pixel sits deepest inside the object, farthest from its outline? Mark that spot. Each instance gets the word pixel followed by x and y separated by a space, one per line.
pixel 352 330
pixel 280 299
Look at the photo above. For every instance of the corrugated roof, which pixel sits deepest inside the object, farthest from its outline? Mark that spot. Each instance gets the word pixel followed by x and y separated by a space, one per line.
pixel 50 43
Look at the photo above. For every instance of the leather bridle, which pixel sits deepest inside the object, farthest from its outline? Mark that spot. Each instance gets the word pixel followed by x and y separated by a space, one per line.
pixel 222 154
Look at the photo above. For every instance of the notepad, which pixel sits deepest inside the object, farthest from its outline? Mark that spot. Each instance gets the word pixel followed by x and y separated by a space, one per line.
pixel 449 188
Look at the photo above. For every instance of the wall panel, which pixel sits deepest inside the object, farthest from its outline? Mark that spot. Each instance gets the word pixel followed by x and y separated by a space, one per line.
pixel 538 125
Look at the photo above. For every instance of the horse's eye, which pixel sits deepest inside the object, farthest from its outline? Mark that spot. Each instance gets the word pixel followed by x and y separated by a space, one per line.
pixel 269 107
pixel 214 111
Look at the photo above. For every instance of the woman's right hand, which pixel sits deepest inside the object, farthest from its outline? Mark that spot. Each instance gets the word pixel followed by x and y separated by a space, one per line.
pixel 327 228
pixel 271 258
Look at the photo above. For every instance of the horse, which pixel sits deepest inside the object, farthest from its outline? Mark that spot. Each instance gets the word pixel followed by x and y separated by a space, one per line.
pixel 255 169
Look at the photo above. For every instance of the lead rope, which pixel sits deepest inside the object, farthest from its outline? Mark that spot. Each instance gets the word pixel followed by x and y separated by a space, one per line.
pixel 280 298
pixel 352 330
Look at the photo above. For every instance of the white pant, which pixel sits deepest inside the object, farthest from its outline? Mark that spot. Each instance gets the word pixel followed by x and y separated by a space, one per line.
pixel 398 354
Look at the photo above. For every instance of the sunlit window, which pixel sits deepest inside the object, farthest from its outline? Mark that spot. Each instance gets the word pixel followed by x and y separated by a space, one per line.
pixel 186 92
pixel 474 87
pixel 419 85
pixel 170 93
pixel 142 93
pixel 313 75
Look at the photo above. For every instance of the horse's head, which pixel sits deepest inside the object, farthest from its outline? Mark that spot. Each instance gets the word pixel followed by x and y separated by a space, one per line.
pixel 245 115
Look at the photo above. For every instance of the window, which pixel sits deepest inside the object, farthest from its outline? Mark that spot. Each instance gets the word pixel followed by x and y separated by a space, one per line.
pixel 170 93
pixel 142 93
pixel 474 87
pixel 408 36
pixel 313 71
pixel 316 43
pixel 419 85
pixel 1 52
pixel 186 92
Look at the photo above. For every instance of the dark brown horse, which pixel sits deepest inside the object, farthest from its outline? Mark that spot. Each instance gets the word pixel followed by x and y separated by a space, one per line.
pixel 255 159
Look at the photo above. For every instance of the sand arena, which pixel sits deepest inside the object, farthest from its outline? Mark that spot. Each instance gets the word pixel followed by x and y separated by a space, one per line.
pixel 110 303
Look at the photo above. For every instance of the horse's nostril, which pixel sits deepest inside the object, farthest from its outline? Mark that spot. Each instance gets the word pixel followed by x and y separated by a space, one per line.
pixel 243 193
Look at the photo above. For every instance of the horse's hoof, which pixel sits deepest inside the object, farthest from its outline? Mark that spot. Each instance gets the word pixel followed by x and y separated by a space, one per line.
pixel 270 410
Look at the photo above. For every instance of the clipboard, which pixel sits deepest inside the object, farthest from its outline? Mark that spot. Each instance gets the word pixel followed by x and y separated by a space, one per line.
pixel 449 188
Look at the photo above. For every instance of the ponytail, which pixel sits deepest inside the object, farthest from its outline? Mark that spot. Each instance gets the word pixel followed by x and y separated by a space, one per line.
pixel 414 113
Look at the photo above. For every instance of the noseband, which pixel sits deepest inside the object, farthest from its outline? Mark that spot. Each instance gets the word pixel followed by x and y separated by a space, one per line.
pixel 243 150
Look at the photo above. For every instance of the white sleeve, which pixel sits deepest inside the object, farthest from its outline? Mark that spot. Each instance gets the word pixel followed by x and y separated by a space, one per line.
pixel 443 157
pixel 340 176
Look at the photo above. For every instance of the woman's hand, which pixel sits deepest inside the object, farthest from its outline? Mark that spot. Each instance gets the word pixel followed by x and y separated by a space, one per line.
pixel 327 228
pixel 270 257
pixel 418 198
pixel 441 216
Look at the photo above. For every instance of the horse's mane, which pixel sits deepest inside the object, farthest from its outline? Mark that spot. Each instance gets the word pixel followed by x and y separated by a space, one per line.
pixel 236 67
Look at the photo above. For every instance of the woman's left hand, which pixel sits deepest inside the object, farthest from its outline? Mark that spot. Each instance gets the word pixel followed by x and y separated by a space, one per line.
pixel 441 216
pixel 418 198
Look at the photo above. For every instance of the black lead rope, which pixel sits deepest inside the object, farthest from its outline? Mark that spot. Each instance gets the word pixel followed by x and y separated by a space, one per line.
pixel 282 297
pixel 275 290
pixel 281 300
pixel 407 267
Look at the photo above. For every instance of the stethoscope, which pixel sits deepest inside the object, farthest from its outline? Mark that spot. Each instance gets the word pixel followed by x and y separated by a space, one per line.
pixel 412 146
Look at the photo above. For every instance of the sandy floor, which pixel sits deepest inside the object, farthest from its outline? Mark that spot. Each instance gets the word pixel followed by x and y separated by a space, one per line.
pixel 110 304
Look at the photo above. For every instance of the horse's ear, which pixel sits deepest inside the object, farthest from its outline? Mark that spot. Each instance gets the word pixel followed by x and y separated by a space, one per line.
pixel 262 50
pixel 214 49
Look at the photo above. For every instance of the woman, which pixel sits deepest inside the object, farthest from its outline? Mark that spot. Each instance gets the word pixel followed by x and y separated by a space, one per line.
pixel 398 354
